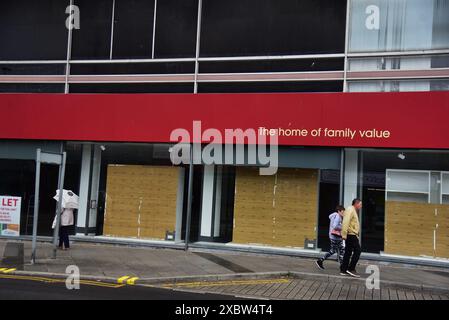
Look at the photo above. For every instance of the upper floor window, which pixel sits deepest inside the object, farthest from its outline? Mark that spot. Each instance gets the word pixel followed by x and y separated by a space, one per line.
pixel 398 25
pixel 33 30
pixel 271 27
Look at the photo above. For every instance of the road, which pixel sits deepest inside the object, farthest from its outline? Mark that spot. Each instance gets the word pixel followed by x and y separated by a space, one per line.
pixel 52 289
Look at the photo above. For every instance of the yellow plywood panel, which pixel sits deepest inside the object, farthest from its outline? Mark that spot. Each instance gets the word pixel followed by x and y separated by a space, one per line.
pixel 442 232
pixel 140 201
pixel 253 219
pixel 120 231
pixel 296 206
pixel 411 229
pixel 278 210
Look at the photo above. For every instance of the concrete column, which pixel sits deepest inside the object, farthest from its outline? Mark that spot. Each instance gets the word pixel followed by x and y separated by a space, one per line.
pixel 350 176
pixel 84 189
pixel 179 204
pixel 88 193
pixel 211 202
pixel 94 186
pixel 217 212
pixel 207 208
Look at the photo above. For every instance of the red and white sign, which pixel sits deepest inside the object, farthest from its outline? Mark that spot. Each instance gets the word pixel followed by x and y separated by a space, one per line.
pixel 386 120
pixel 10 215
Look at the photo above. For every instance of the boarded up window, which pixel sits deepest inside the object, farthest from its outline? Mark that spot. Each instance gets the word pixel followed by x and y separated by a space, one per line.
pixel 140 201
pixel 278 210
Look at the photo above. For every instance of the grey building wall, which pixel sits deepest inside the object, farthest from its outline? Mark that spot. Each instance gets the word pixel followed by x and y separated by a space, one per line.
pixel 26 150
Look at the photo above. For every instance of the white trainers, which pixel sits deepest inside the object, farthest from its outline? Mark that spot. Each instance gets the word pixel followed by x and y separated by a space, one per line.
pixel 353 274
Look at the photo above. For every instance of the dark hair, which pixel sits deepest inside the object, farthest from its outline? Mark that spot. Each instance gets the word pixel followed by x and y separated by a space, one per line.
pixel 340 208
pixel 356 200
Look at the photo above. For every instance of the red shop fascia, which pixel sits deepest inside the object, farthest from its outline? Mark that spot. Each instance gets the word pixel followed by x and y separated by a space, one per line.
pixel 418 120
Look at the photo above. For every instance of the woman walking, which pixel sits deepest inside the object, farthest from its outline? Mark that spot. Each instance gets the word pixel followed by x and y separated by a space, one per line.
pixel 66 222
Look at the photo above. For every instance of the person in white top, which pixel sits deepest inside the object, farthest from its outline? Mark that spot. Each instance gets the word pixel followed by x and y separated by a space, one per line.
pixel 67 220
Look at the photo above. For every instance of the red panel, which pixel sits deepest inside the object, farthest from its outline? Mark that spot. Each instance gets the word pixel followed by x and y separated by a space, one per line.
pixel 414 120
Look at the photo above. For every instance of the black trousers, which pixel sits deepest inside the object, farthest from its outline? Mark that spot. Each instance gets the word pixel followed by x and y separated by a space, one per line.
pixel 352 253
pixel 64 236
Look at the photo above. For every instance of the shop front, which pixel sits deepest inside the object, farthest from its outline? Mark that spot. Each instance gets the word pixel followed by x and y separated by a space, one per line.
pixel 129 188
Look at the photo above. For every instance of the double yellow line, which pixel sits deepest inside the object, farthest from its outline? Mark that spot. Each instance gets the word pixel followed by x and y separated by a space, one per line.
pixel 7 270
pixel 122 281
pixel 224 283
pixel 53 280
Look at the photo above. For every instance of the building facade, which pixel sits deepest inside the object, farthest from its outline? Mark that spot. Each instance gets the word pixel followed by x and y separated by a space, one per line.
pixel 355 91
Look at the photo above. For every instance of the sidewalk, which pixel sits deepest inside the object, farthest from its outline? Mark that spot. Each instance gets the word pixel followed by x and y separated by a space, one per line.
pixel 181 270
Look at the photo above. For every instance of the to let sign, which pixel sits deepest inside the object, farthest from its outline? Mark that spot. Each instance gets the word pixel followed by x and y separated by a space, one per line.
pixel 10 215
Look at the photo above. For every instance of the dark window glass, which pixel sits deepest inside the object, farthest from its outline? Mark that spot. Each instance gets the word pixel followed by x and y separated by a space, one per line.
pixel 133 29
pixel 264 27
pixel 32 69
pixel 235 87
pixel 93 39
pixel 133 68
pixel 132 88
pixel 441 61
pixel 31 88
pixel 439 85
pixel 176 24
pixel 272 65
pixel 17 180
pixel 33 30
pixel 329 198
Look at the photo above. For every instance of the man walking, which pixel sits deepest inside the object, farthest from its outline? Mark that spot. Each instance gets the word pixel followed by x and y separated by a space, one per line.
pixel 350 233
pixel 335 226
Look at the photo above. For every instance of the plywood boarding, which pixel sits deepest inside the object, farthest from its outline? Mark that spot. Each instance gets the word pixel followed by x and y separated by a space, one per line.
pixel 140 201
pixel 442 232
pixel 278 210
pixel 411 229
pixel 253 217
